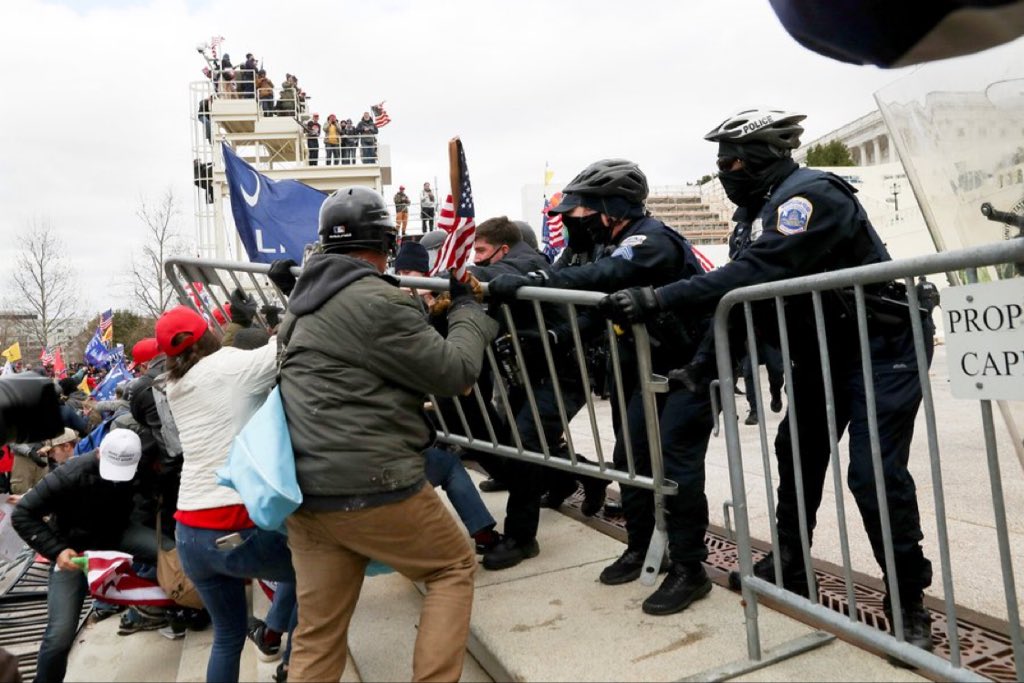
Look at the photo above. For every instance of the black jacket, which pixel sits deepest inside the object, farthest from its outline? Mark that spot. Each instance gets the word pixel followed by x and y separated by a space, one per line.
pixel 86 512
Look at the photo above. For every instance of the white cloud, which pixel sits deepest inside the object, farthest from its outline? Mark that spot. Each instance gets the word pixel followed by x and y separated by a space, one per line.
pixel 97 112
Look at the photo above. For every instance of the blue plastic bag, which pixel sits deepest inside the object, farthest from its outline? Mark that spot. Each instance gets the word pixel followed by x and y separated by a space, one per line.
pixel 261 466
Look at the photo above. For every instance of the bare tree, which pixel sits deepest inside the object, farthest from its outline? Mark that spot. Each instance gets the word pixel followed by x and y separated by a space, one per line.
pixel 151 289
pixel 44 282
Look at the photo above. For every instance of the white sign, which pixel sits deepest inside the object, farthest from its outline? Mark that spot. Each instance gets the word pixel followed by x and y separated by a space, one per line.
pixel 11 544
pixel 985 339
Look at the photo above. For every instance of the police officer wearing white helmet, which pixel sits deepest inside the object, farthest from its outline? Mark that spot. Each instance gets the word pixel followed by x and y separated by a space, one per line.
pixel 805 221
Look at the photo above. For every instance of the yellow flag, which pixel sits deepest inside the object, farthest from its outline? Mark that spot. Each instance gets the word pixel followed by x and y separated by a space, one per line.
pixel 12 353
pixel 548 175
pixel 84 386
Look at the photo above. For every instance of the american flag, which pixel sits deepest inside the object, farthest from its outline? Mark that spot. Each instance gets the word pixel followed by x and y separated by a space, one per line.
pixel 457 220
pixel 551 228
pixel 46 357
pixel 380 116
pixel 107 326
pixel 215 42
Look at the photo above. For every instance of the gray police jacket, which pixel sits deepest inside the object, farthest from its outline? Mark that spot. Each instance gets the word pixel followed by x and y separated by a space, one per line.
pixel 359 361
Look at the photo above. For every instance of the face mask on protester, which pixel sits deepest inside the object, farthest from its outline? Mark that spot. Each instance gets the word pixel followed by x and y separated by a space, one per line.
pixel 591 226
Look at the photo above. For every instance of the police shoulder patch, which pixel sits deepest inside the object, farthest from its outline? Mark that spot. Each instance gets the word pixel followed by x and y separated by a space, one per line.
pixel 794 215
pixel 633 241
pixel 623 252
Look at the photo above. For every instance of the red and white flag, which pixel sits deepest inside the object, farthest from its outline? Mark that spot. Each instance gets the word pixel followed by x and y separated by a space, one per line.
pixel 46 357
pixel 380 115
pixel 111 579
pixel 703 260
pixel 458 220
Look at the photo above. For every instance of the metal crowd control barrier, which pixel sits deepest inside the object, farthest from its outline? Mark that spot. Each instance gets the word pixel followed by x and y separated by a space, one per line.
pixel 753 587
pixel 207 285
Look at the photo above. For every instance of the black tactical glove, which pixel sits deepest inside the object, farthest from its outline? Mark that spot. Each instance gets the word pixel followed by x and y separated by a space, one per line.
pixel 272 314
pixel 504 287
pixel 29 408
pixel 243 308
pixel 281 274
pixel 462 293
pixel 632 305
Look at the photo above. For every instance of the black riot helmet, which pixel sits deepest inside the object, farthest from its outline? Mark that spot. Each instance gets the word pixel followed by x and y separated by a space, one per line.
pixel 611 178
pixel 356 218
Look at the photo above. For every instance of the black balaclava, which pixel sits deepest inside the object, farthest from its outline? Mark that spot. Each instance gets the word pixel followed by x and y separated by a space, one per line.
pixel 764 166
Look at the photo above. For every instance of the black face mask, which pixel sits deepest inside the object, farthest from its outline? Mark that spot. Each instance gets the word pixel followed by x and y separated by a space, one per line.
pixel 742 187
pixel 590 228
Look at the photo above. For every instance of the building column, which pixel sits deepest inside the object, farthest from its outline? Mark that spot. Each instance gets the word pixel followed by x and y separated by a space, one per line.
pixel 875 149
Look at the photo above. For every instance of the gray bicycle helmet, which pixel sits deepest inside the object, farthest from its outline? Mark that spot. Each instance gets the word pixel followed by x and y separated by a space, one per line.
pixel 770 126
pixel 611 178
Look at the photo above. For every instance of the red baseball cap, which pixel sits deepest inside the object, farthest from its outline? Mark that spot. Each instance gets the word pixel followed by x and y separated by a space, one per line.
pixel 178 320
pixel 219 317
pixel 145 350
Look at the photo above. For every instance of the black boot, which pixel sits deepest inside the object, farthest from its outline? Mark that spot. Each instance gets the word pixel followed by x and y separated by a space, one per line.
pixel 593 496
pixel 917 626
pixel 776 404
pixel 683 585
pixel 794 576
pixel 509 553
pixel 625 569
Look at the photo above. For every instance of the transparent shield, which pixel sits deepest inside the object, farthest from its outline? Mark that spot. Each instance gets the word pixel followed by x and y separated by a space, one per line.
pixel 958 126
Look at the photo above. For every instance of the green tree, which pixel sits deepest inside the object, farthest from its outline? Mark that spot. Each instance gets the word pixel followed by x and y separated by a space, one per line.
pixel 834 153
pixel 129 328
pixel 706 178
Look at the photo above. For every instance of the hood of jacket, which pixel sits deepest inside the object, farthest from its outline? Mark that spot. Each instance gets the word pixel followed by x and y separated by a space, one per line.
pixel 323 276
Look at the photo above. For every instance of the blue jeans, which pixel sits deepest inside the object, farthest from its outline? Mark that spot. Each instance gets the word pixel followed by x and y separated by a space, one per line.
pixel 283 614
pixel 219 576
pixel 444 469
pixel 65 596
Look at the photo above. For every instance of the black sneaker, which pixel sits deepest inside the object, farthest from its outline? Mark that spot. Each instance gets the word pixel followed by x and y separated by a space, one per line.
pixel 776 404
pixel 101 613
pixel 557 494
pixel 917 628
pixel 141 618
pixel 751 418
pixel 623 570
pixel 281 675
pixel 268 647
pixel 509 553
pixel 682 586
pixel 794 578
pixel 491 485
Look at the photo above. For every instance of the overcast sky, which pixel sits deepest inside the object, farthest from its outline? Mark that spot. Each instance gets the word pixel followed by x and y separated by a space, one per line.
pixel 97 115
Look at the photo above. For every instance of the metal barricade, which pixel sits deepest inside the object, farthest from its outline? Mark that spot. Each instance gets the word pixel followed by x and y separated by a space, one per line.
pixel 752 587
pixel 517 377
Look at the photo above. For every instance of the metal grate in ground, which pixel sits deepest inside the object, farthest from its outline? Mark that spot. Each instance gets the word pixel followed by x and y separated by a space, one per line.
pixel 23 610
pixel 985 646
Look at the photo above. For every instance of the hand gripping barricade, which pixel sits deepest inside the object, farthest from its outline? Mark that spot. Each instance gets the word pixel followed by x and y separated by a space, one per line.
pixel 206 284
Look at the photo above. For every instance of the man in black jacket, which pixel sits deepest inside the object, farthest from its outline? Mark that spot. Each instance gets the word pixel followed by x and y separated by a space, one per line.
pixel 85 504
pixel 499 249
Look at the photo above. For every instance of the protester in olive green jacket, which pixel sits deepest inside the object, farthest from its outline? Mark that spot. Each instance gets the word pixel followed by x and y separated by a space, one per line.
pixel 358 362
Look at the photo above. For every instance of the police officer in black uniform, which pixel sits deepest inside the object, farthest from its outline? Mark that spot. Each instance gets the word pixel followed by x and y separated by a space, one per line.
pixel 605 202
pixel 804 221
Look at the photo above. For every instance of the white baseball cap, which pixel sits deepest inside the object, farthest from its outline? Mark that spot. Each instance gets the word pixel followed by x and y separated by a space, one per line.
pixel 120 452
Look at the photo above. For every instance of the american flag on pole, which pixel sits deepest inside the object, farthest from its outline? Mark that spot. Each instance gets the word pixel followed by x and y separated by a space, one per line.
pixel 457 219
pixel 215 42
pixel 46 357
pixel 107 327
pixel 380 116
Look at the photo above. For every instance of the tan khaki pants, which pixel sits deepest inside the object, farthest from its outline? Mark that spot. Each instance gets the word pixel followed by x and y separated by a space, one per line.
pixel 25 474
pixel 401 220
pixel 419 539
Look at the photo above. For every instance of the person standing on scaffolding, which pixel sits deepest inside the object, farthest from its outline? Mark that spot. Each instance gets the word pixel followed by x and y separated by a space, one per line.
pixel 807 221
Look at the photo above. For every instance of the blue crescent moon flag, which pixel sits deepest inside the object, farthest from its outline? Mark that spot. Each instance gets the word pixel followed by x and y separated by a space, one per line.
pixel 275 218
